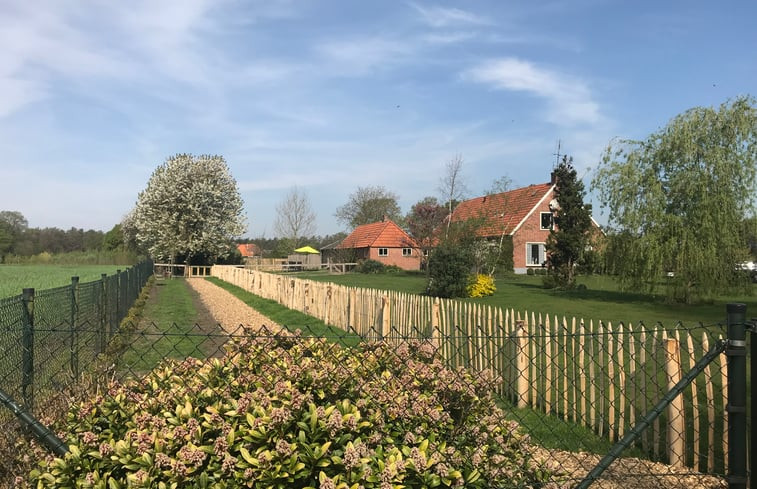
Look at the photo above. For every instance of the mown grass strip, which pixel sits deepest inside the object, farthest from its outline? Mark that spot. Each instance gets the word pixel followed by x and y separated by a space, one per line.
pixel 169 328
pixel 288 318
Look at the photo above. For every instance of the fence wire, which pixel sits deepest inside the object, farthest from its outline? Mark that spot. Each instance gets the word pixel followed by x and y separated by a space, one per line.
pixel 204 406
pixel 46 333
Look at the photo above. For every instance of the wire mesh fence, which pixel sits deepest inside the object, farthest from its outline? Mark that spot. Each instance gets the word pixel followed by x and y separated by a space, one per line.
pixel 33 350
pixel 204 406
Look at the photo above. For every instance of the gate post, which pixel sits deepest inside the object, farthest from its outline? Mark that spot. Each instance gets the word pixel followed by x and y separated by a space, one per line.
pixel 753 413
pixel 736 408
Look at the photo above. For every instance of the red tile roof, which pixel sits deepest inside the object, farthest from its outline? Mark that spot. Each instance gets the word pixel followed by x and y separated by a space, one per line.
pixel 249 249
pixel 501 213
pixel 383 234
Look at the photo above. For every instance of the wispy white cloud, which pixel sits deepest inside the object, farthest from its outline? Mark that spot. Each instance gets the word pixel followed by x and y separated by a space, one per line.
pixel 448 37
pixel 360 56
pixel 569 98
pixel 446 16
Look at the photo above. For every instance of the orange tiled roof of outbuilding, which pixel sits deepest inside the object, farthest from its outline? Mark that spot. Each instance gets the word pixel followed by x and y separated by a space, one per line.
pixel 248 249
pixel 384 234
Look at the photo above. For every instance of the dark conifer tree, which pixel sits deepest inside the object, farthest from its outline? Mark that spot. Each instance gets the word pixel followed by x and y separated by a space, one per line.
pixel 572 223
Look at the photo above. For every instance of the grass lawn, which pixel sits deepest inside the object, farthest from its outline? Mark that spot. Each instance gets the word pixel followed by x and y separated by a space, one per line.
pixel 602 299
pixel 14 278
pixel 168 328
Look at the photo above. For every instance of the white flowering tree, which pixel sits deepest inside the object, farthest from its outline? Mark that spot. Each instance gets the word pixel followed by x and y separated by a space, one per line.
pixel 191 207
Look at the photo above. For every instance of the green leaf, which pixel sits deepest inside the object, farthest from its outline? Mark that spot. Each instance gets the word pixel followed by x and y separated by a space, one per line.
pixel 248 458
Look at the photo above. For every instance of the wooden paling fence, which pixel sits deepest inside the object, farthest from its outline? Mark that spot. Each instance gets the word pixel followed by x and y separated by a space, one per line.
pixel 601 376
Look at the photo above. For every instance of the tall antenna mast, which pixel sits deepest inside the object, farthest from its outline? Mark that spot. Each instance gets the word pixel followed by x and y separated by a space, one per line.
pixel 557 162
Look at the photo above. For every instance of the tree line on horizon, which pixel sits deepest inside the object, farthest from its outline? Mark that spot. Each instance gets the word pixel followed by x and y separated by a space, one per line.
pixel 20 243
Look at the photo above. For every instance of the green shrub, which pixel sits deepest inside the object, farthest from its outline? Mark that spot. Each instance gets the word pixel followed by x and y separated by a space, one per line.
pixel 549 281
pixel 449 267
pixel 529 271
pixel 291 412
pixel 370 266
pixel 481 285
pixel 374 266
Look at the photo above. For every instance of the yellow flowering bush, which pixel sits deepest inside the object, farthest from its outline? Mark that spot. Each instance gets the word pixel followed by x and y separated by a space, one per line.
pixel 481 285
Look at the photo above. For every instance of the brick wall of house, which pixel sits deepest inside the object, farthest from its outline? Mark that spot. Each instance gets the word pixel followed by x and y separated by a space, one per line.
pixel 395 257
pixel 529 232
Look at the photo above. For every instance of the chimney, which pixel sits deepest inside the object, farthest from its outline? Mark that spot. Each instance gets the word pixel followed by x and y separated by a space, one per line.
pixel 553 177
pixel 384 218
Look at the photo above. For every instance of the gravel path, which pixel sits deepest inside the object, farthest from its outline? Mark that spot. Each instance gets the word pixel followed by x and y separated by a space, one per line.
pixel 227 310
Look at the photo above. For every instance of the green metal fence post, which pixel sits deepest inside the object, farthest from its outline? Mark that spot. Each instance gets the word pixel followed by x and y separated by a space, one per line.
pixel 27 376
pixel 753 397
pixel 118 298
pixel 736 408
pixel 74 346
pixel 102 315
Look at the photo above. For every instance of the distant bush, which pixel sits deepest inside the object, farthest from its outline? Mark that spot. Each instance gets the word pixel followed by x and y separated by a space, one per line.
pixel 374 266
pixel 481 285
pixel 549 281
pixel 299 413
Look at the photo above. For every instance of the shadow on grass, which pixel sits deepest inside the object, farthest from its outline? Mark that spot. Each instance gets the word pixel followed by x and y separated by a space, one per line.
pixel 596 294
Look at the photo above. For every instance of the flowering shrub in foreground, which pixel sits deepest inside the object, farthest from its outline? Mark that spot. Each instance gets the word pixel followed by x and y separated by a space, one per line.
pixel 289 412
pixel 481 285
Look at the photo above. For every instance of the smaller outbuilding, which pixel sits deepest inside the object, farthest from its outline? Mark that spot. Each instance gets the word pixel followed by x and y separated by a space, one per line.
pixel 249 250
pixel 385 242
pixel 304 258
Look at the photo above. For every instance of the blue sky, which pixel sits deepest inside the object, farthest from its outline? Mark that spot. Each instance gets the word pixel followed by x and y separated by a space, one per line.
pixel 334 95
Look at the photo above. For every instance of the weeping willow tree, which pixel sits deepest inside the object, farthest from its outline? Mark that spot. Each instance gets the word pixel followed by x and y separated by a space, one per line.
pixel 678 201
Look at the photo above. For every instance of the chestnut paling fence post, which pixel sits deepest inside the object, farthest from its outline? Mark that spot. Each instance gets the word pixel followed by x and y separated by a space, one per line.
pixel 675 411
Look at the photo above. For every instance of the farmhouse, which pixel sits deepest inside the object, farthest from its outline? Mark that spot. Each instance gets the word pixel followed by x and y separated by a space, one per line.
pixel 523 215
pixel 383 241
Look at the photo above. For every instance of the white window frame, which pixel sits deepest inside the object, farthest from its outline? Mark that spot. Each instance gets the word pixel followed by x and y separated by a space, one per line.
pixel 542 258
pixel 383 251
pixel 551 221
pixel 407 252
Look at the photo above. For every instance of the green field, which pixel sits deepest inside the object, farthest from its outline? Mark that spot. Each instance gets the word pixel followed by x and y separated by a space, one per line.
pixel 14 278
pixel 602 299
